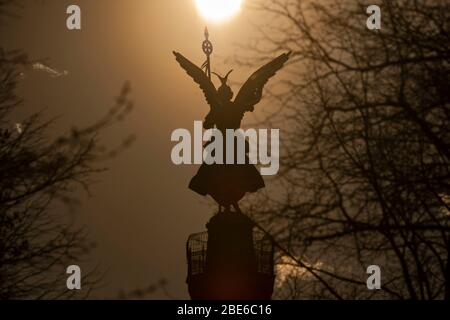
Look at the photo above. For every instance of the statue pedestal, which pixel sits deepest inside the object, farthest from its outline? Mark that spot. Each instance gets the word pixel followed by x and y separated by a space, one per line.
pixel 230 265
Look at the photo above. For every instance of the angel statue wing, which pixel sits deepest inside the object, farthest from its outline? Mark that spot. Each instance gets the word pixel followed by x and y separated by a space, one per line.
pixel 251 92
pixel 205 84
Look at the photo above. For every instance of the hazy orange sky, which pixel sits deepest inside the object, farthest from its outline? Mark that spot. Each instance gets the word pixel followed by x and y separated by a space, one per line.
pixel 141 211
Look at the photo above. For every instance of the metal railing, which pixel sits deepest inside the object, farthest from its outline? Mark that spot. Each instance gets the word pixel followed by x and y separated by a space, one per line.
pixel 196 248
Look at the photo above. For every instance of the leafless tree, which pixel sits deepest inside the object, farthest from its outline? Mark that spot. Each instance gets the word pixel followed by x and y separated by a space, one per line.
pixel 38 242
pixel 365 120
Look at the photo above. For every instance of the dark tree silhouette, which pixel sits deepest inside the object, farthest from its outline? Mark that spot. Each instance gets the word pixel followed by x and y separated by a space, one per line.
pixel 365 120
pixel 37 242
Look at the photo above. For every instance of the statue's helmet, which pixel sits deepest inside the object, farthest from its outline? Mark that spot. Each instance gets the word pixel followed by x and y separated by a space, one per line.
pixel 224 90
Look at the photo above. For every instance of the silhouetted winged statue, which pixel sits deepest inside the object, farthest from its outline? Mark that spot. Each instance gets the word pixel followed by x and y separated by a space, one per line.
pixel 228 183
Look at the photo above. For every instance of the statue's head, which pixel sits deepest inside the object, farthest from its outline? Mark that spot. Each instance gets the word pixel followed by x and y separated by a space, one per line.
pixel 224 90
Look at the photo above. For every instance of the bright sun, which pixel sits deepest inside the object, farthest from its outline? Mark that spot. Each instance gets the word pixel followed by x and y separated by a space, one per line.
pixel 218 10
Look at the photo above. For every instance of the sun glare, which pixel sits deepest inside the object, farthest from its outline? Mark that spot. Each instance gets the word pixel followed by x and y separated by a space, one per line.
pixel 218 10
